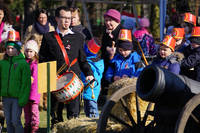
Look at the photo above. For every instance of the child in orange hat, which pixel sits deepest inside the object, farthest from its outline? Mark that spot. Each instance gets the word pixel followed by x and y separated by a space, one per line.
pixel 190 65
pixel 15 82
pixel 126 62
pixel 179 36
pixel 166 59
pixel 189 21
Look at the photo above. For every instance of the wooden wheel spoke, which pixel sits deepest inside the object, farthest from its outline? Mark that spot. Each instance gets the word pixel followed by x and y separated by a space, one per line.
pixel 190 111
pixel 124 105
pixel 146 114
pixel 120 120
pixel 138 110
pixel 195 118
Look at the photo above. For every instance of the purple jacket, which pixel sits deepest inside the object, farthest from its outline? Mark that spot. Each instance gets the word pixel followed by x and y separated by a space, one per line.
pixel 34 95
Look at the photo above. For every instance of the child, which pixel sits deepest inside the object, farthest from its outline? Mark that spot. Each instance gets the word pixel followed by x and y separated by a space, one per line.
pixel 31 109
pixel 125 63
pixel 165 58
pixel 179 36
pixel 97 65
pixel 15 83
pixel 145 38
pixel 189 21
pixel 190 65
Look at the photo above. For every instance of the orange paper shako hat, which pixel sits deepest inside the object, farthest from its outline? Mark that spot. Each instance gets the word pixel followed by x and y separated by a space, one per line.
pixel 169 41
pixel 190 18
pixel 125 35
pixel 13 36
pixel 178 33
pixel 195 36
pixel 13 39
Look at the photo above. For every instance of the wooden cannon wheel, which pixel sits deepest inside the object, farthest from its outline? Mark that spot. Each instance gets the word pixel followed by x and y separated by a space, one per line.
pixel 119 98
pixel 190 112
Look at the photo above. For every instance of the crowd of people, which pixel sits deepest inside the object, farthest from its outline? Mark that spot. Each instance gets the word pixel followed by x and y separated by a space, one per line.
pixel 115 56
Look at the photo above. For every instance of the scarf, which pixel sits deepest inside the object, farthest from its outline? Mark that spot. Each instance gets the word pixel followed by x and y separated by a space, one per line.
pixel 1 30
pixel 41 29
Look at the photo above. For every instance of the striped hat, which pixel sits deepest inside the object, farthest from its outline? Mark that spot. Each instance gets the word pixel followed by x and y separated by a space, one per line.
pixel 13 39
pixel 125 35
pixel 195 36
pixel 190 18
pixel 92 47
pixel 13 36
pixel 178 33
pixel 169 41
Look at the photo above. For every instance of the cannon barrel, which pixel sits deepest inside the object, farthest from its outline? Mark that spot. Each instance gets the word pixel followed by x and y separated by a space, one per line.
pixel 157 84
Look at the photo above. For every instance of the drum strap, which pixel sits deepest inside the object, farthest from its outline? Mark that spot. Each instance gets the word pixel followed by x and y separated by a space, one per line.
pixel 64 51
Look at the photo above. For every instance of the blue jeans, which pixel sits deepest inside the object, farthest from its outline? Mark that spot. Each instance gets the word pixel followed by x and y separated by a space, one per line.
pixel 91 108
pixel 13 112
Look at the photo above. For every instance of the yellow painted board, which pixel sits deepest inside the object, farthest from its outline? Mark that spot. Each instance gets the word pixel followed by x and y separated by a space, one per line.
pixel 42 76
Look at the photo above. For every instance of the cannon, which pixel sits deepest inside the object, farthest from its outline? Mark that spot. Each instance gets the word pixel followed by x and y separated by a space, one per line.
pixel 176 100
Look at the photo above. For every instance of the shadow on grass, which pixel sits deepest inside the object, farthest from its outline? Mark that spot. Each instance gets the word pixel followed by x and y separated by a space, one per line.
pixel 41 130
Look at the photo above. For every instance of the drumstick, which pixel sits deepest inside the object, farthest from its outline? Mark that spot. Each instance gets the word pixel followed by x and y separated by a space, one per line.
pixel 61 68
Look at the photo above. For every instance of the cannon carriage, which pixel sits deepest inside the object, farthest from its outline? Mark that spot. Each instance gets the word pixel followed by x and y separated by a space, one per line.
pixel 173 105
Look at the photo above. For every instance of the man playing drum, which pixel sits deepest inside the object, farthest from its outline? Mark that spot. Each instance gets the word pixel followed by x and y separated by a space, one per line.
pixel 51 50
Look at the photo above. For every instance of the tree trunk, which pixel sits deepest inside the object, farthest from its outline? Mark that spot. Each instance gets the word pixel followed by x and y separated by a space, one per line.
pixel 155 19
pixel 29 17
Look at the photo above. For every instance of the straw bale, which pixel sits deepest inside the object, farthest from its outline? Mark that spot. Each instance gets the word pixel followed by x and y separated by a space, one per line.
pixel 83 125
pixel 130 100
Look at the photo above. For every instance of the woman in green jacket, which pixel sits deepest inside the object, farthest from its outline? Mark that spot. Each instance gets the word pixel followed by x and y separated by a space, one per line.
pixel 15 83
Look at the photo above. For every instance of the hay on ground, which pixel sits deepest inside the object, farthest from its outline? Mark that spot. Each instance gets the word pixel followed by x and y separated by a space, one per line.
pixel 83 125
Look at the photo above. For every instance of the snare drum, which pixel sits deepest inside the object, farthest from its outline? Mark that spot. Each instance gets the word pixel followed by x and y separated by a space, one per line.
pixel 68 87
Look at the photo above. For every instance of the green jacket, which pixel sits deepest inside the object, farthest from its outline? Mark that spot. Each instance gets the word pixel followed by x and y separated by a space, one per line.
pixel 15 78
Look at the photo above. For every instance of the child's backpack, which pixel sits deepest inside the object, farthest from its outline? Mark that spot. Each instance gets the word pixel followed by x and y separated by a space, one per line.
pixel 148 45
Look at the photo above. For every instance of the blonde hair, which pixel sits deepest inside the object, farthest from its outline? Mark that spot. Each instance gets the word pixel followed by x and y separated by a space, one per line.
pixel 75 11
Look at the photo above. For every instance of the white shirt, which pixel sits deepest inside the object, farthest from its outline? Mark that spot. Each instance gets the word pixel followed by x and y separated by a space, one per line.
pixel 63 34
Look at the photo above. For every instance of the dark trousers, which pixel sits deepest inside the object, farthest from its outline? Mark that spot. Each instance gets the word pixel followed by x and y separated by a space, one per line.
pixel 72 109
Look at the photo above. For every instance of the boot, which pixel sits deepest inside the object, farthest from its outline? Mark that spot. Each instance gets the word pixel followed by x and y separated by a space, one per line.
pixel 27 129
pixel 34 129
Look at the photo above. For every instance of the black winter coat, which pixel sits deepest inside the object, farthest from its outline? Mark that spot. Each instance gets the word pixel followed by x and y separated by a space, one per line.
pixel 107 41
pixel 83 30
pixel 51 51
pixel 190 65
